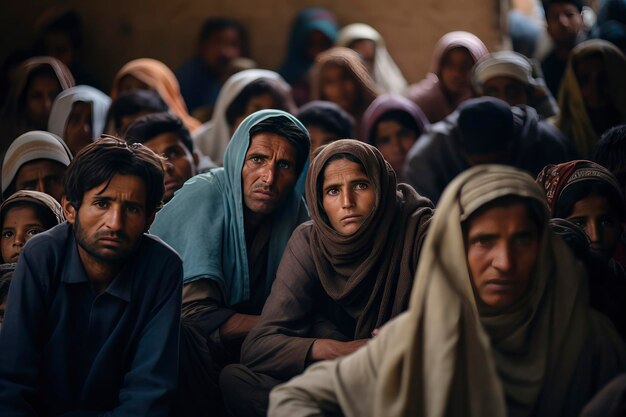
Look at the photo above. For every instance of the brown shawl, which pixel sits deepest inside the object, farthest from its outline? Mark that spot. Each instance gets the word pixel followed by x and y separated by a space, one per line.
pixel 370 273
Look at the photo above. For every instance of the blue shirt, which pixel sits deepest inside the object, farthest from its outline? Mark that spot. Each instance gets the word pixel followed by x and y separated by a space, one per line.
pixel 64 349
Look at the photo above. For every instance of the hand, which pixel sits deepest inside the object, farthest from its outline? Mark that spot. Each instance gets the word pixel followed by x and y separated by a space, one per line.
pixel 327 349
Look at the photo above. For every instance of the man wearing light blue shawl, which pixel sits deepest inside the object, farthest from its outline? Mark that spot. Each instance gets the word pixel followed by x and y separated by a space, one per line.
pixel 231 225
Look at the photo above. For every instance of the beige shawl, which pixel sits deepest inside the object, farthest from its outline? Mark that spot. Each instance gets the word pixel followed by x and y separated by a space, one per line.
pixel 456 359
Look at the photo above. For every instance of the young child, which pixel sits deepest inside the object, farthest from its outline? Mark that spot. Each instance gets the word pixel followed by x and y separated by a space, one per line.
pixel 23 215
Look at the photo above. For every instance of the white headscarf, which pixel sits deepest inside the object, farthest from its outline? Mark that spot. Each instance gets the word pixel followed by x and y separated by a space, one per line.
pixel 387 75
pixel 213 136
pixel 62 107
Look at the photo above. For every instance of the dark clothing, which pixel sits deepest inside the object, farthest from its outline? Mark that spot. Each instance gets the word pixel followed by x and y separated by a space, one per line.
pixel 436 158
pixel 246 393
pixel 553 69
pixel 610 401
pixel 198 85
pixel 66 349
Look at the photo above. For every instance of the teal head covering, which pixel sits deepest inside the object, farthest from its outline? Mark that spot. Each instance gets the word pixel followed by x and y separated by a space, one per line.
pixel 204 221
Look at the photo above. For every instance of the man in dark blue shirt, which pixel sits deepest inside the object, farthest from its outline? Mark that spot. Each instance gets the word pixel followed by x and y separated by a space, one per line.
pixel 92 323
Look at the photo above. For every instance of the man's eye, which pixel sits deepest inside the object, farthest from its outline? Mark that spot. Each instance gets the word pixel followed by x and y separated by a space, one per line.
pixel 361 186
pixel 101 204
pixel 284 165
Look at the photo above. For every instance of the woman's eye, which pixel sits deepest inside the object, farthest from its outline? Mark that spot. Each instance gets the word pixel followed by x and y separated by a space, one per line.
pixel 332 191
pixel 6 235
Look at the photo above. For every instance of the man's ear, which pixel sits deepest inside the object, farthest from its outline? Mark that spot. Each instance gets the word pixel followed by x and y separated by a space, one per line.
pixel 68 210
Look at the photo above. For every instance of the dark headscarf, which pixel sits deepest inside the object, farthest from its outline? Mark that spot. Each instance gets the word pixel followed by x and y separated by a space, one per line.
pixel 297 63
pixel 329 116
pixel 556 179
pixel 386 104
pixel 369 275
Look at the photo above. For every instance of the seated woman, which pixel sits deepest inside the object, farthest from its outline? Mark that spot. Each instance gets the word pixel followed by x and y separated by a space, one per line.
pixel 313 31
pixel 592 97
pixel 449 82
pixel 243 93
pixel 365 40
pixel 150 74
pixel 78 116
pixel 340 76
pixel 338 281
pixel 39 81
pixel 589 196
pixel 393 124
pixel 498 325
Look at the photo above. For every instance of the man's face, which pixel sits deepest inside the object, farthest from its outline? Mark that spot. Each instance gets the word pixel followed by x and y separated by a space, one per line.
pixel 366 48
pixel 269 172
pixel 180 164
pixel 78 133
pixel 507 89
pixel 44 175
pixel 502 246
pixel 564 22
pixel 339 86
pixel 110 221
pixel 220 49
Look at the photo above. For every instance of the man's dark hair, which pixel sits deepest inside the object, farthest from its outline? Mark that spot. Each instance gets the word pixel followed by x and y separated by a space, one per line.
pixel 99 162
pixel 547 3
pixel 611 150
pixel 216 24
pixel 133 102
pixel 152 125
pixel 254 89
pixel 282 126
pixel 329 117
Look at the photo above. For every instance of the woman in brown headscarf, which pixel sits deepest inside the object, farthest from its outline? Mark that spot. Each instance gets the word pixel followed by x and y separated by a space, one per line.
pixel 340 76
pixel 592 97
pixel 150 74
pixel 39 81
pixel 449 82
pixel 340 277
pixel 462 351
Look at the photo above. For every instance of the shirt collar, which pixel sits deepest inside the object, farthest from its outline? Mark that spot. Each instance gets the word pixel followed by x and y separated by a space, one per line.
pixel 74 272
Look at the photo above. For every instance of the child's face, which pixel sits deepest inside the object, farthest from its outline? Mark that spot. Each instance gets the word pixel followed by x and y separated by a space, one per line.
pixel 20 224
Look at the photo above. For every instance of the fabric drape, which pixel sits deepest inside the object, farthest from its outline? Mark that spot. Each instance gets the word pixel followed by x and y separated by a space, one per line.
pixel 160 78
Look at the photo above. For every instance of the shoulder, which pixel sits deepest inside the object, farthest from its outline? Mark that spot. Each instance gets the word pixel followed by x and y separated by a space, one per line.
pixel 154 246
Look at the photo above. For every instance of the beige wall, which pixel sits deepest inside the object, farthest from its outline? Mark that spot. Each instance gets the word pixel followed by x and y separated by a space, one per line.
pixel 119 30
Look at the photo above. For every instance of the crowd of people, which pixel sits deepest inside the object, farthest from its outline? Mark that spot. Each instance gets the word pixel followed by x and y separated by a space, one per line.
pixel 323 239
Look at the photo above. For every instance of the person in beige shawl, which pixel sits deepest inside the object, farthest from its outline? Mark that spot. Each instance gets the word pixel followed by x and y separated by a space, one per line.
pixel 529 345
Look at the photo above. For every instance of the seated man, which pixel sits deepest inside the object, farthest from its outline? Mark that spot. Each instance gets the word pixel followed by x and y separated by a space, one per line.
pixel 498 325
pixel 338 281
pixel 511 77
pixel 130 106
pixel 35 161
pixel 231 226
pixel 86 331
pixel 483 130
pixel 166 135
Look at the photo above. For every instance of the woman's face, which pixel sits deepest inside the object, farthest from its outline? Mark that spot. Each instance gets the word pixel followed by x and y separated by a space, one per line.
pixel 130 82
pixel 78 129
pixel 316 44
pixel 366 49
pixel 40 94
pixel 600 221
pixel 455 71
pixel 348 196
pixel 593 82
pixel 256 103
pixel 394 141
pixel 339 86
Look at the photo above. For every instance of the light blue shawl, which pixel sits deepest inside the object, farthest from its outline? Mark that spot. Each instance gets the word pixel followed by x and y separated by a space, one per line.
pixel 204 221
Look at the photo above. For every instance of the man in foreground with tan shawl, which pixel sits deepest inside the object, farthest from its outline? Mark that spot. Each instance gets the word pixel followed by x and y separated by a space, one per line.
pixel 495 327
